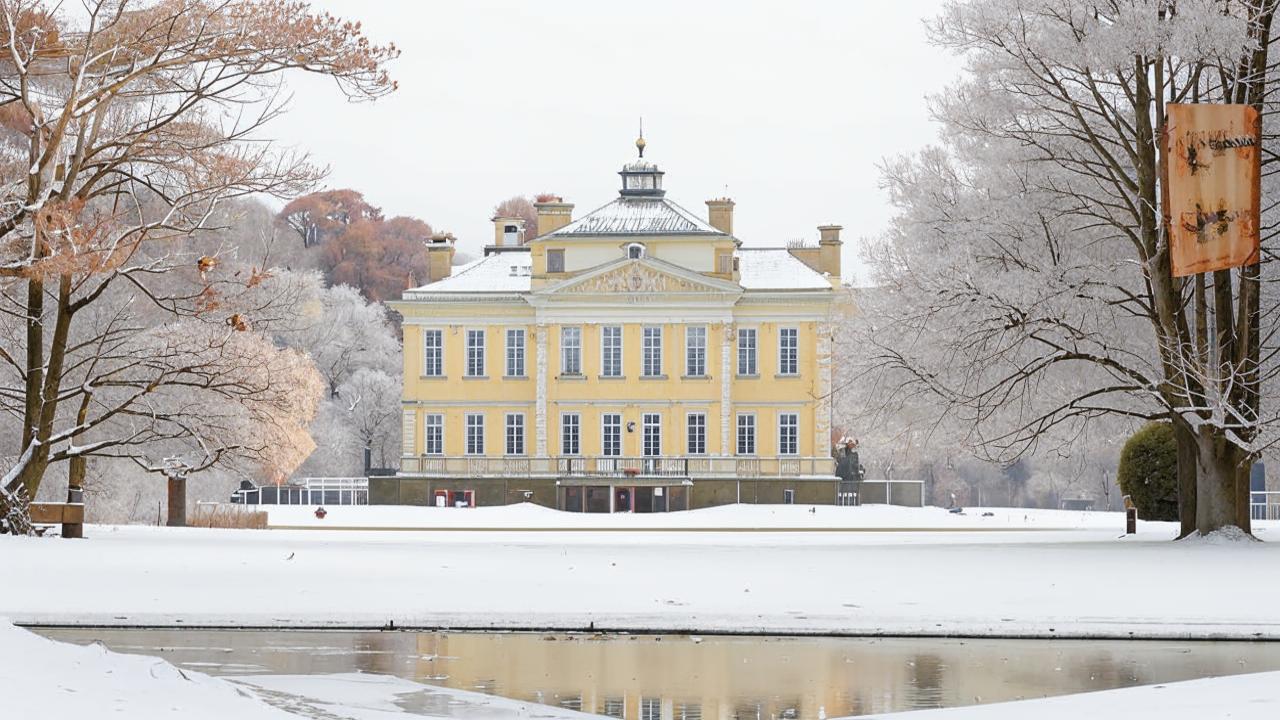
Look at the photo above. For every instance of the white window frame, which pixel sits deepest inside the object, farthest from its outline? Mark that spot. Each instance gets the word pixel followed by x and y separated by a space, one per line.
pixel 433 364
pixel 789 496
pixel 570 429
pixel 751 352
pixel 514 441
pixel 606 435
pixel 554 252
pixel 433 424
pixel 788 445
pixel 607 352
pixel 476 353
pixel 651 351
pixel 789 365
pixel 474 433
pixel 745 443
pixel 571 349
pixel 648 421
pixel 695 350
pixel 515 352
pixel 692 448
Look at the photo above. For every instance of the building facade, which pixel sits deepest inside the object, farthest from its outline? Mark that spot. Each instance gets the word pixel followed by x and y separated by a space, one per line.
pixel 637 358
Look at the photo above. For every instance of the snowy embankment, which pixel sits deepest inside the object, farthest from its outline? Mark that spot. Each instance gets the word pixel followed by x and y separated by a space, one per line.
pixel 41 678
pixel 1090 582
pixel 1239 697
pixel 527 516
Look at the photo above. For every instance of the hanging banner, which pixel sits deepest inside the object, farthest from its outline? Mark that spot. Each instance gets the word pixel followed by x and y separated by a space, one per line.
pixel 1212 186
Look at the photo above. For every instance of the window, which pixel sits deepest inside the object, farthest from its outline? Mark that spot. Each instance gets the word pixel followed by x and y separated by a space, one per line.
pixel 611 351
pixel 555 261
pixel 695 351
pixel 433 434
pixel 515 352
pixel 788 497
pixel 724 263
pixel 747 351
pixel 652 352
pixel 611 434
pixel 697 424
pixel 652 423
pixel 432 353
pixel 570 425
pixel 515 433
pixel 651 708
pixel 635 251
pixel 570 351
pixel 746 434
pixel 788 351
pixel 475 353
pixel 788 434
pixel 475 434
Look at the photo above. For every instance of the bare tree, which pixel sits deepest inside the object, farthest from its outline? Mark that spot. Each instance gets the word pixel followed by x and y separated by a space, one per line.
pixel 1029 277
pixel 124 128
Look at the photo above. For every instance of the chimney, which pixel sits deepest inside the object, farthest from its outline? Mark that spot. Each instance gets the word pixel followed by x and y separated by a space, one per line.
pixel 508 232
pixel 829 250
pixel 553 213
pixel 440 249
pixel 720 214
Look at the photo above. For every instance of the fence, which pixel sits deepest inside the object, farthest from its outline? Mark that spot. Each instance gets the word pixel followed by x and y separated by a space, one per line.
pixel 1264 505
pixel 308 491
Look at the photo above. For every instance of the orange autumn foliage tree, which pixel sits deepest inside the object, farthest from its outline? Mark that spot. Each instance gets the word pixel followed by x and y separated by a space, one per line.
pixel 123 126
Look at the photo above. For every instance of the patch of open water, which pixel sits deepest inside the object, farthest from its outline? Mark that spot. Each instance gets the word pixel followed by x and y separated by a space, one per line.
pixel 678 677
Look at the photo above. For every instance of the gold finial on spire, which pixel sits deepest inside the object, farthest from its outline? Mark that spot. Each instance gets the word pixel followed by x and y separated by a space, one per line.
pixel 640 140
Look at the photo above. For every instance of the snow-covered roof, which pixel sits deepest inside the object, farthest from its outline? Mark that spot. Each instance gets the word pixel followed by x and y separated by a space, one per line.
pixel 637 216
pixel 504 272
pixel 776 269
pixel 509 272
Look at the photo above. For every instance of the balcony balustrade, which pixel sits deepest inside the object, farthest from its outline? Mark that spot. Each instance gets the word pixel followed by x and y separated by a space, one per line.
pixel 622 467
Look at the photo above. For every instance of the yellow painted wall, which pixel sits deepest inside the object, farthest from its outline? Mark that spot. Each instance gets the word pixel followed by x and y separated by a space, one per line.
pixel 591 395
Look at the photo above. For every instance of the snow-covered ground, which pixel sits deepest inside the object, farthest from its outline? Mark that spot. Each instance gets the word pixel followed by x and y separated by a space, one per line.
pixel 1239 697
pixel 1063 582
pixel 42 678
pixel 729 517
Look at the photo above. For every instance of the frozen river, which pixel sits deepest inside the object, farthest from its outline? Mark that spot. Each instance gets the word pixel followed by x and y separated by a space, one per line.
pixel 653 677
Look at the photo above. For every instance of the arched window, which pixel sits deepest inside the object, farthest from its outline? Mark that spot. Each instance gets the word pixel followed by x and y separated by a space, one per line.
pixel 635 251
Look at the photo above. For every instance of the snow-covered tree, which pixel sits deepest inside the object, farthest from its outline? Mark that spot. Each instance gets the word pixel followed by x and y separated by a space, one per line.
pixel 342 332
pixel 123 127
pixel 371 399
pixel 1027 290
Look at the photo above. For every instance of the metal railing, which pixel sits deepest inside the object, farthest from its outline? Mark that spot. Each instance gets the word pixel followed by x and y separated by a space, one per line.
pixel 1264 505
pixel 692 466
pixel 307 491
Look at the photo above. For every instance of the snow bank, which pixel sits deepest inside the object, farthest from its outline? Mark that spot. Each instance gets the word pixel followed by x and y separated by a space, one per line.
pixel 1046 583
pixel 1239 697
pixel 789 517
pixel 41 678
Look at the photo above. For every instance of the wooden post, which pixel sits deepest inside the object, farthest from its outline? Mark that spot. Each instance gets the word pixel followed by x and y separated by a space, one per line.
pixel 177 501
pixel 75 496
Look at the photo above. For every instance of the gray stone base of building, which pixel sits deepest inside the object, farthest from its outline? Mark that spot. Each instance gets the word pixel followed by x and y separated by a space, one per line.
pixel 588 495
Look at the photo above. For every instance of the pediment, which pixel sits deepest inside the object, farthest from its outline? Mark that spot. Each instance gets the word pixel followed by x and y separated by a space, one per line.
pixel 641 277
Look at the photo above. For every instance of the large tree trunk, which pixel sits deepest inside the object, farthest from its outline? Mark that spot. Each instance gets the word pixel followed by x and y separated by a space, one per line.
pixel 1222 493
pixel 1187 454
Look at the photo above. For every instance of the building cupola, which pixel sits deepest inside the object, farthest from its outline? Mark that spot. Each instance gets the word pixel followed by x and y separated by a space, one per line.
pixel 641 178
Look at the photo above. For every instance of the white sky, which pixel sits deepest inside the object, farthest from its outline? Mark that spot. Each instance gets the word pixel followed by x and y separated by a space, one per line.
pixel 790 106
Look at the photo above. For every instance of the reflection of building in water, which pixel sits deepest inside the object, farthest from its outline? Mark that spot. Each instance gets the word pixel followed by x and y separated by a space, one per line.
pixel 670 678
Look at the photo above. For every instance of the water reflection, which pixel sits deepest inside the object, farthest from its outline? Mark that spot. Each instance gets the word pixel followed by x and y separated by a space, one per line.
pixel 658 677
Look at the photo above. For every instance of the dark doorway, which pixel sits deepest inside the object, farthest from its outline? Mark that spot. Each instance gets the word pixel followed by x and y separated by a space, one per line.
pixel 622 500
pixel 644 500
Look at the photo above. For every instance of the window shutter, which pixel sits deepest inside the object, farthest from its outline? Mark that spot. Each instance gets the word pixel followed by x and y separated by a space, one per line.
pixel 407 430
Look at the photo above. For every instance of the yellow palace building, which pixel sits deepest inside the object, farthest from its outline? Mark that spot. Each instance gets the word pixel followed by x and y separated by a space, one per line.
pixel 637 358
